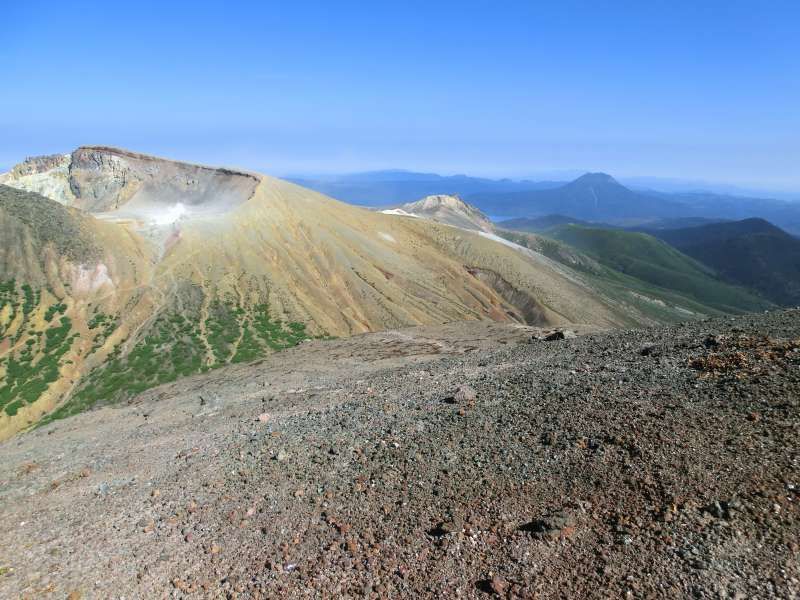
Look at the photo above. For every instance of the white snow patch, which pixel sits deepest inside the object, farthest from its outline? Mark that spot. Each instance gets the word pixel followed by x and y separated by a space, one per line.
pixel 648 299
pixel 399 212
pixel 504 241
pixel 533 255
pixel 387 237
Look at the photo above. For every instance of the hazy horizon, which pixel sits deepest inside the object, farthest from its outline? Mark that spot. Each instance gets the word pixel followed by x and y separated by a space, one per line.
pixel 705 93
pixel 656 183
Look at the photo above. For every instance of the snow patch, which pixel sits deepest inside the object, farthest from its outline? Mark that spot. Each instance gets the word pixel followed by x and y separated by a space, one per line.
pixel 648 299
pixel 387 237
pixel 503 241
pixel 399 212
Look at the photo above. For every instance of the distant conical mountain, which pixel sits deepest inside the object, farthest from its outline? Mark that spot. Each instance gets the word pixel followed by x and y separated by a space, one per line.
pixel 591 197
pixel 594 179
pixel 594 197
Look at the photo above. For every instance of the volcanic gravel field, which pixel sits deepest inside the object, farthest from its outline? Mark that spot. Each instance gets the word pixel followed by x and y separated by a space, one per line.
pixel 469 460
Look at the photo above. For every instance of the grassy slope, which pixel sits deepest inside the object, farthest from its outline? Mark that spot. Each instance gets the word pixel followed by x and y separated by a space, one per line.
pixel 79 350
pixel 655 262
pixel 666 304
pixel 174 346
pixel 37 346
pixel 753 253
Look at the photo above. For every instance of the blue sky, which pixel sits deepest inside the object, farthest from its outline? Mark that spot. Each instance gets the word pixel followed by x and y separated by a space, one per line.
pixel 698 89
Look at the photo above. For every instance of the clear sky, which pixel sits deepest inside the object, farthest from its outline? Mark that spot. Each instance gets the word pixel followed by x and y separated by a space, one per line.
pixel 699 89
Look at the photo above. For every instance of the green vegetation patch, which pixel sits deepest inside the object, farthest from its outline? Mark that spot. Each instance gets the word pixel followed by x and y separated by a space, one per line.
pixel 173 347
pixel 102 326
pixel 223 329
pixel 54 310
pixel 35 364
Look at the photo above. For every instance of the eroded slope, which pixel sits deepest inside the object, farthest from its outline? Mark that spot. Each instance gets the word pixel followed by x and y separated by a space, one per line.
pixel 159 269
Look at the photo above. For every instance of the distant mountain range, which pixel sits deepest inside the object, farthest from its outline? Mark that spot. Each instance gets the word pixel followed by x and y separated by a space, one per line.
pixel 597 197
pixel 593 197
pixel 677 185
pixel 391 187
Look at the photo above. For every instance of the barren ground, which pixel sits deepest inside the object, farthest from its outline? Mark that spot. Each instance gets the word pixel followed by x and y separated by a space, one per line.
pixel 646 463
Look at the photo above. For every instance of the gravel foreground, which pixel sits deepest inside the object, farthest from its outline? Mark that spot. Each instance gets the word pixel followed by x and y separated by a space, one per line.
pixel 469 460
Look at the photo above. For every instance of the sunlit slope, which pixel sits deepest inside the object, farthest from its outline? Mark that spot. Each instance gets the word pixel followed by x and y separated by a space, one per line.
pixel 753 253
pixel 72 288
pixel 653 261
pixel 146 270
pixel 346 270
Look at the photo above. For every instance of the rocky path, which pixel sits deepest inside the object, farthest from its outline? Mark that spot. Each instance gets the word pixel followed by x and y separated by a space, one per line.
pixel 650 463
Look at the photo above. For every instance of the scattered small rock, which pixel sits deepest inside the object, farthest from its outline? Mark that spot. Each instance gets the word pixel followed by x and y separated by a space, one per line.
pixel 464 394
pixel 549 438
pixel 722 509
pixel 554 526
pixel 560 334
pixel 450 526
pixel 499 585
pixel 648 349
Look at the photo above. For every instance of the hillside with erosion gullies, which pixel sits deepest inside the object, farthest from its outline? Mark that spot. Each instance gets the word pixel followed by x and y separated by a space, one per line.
pixel 128 271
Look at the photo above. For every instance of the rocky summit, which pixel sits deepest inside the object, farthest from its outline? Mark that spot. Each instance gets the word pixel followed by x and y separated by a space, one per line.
pixel 466 460
pixel 442 208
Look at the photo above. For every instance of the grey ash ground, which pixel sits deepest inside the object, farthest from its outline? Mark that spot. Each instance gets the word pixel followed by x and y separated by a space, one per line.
pixel 647 463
